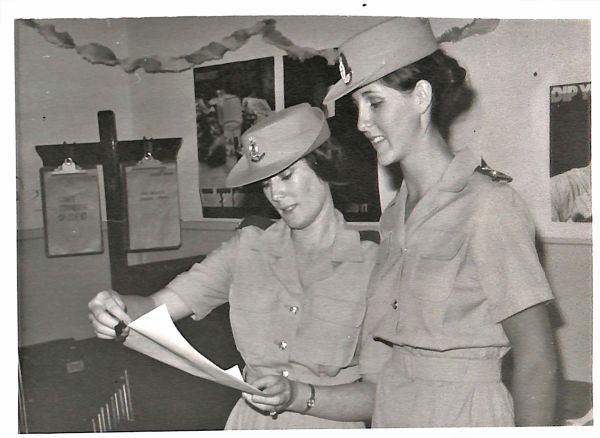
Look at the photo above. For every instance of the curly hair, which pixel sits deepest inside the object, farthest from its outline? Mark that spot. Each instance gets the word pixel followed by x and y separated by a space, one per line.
pixel 329 162
pixel 451 94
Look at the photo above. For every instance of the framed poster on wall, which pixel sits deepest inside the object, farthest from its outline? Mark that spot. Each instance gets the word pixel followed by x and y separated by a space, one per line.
pixel 229 99
pixel 307 81
pixel 570 152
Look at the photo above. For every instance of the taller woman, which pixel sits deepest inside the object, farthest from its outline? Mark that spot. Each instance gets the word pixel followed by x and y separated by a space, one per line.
pixel 458 282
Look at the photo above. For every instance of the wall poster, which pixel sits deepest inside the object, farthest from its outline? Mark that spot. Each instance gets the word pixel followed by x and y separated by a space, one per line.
pixel 229 99
pixel 307 81
pixel 570 152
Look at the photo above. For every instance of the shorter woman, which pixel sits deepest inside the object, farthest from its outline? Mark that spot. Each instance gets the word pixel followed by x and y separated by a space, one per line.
pixel 297 290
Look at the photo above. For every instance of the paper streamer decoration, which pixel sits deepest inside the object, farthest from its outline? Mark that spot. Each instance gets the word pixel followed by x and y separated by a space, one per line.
pixel 71 205
pixel 152 206
pixel 478 26
pixel 99 54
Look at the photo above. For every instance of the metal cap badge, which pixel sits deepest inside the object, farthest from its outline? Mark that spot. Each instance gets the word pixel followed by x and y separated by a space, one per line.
pixel 253 151
pixel 345 70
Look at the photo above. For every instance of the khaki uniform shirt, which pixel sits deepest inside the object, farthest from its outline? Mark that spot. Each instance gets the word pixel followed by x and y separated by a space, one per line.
pixel 306 330
pixel 464 261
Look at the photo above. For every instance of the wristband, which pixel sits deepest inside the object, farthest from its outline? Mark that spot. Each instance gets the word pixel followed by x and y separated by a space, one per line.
pixel 311 400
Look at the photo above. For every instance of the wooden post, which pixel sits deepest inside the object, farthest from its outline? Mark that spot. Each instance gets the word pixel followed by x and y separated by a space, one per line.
pixel 113 189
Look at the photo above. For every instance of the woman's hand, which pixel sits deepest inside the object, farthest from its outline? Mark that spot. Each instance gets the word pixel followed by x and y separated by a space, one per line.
pixel 279 394
pixel 107 310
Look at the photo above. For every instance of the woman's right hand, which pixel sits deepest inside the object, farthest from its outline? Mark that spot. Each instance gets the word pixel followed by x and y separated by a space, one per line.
pixel 278 394
pixel 107 310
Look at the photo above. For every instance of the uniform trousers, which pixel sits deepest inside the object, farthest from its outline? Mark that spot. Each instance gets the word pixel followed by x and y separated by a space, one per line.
pixel 425 391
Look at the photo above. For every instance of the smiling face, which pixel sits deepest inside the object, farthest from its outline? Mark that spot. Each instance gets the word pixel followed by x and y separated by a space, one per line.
pixel 298 194
pixel 390 119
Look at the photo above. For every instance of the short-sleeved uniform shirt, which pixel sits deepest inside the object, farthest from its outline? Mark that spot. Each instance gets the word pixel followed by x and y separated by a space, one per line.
pixel 305 329
pixel 464 260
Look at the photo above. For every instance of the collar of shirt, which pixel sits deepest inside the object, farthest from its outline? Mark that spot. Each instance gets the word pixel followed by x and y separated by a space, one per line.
pixel 455 178
pixel 459 171
pixel 276 240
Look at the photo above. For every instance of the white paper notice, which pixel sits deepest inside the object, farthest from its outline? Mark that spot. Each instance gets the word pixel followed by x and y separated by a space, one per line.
pixel 155 335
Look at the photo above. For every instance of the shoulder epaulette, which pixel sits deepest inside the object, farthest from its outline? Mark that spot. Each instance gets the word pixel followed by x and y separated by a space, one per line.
pixel 495 175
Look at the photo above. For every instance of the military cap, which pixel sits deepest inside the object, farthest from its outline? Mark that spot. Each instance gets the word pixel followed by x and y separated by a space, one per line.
pixel 379 50
pixel 278 141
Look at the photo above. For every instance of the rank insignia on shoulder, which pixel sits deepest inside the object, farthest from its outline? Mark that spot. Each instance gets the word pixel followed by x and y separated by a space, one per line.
pixel 495 175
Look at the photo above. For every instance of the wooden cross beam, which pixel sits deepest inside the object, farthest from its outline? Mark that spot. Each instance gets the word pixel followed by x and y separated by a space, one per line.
pixel 110 153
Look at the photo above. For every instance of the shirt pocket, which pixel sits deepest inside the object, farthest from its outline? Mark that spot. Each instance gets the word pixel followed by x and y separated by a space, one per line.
pixel 330 331
pixel 433 269
pixel 250 312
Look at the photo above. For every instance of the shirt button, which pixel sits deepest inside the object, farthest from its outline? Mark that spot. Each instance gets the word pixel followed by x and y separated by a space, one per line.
pixel 285 373
pixel 294 309
pixel 283 345
pixel 395 305
pixel 404 250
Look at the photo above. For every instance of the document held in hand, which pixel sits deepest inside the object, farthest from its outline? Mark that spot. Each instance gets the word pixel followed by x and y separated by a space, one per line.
pixel 155 335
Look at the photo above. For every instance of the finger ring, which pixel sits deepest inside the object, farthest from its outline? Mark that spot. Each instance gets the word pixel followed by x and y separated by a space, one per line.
pixel 272 413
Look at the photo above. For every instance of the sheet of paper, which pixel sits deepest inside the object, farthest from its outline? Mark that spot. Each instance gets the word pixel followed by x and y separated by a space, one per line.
pixel 155 335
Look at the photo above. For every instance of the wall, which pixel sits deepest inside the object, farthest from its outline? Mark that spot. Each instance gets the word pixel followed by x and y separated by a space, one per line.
pixel 54 292
pixel 59 94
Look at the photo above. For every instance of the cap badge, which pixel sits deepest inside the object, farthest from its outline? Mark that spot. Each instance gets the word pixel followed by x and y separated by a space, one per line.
pixel 253 151
pixel 345 70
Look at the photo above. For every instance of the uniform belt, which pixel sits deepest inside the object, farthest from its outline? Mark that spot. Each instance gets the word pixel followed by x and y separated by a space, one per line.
pixel 407 365
pixel 250 374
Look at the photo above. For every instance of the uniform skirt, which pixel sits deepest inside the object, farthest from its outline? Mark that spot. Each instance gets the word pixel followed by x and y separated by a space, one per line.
pixel 419 391
pixel 245 417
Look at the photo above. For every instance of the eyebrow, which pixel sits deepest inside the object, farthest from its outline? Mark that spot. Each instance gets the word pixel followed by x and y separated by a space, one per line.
pixel 363 93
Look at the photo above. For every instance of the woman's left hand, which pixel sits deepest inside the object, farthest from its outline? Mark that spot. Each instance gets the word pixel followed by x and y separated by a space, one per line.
pixel 278 394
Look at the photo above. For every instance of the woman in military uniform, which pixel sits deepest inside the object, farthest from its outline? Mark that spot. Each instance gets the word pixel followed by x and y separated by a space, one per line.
pixel 457 282
pixel 297 290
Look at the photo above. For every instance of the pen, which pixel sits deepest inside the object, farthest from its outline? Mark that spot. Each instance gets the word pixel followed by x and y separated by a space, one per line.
pixel 119 328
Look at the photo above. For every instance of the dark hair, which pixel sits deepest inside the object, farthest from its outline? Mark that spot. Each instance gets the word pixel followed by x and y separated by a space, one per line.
pixel 451 95
pixel 329 162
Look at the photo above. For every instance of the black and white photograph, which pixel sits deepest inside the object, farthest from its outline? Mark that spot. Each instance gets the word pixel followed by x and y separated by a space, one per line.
pixel 230 98
pixel 348 218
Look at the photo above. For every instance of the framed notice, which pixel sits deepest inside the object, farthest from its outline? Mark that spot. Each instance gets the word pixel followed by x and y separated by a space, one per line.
pixel 71 206
pixel 153 217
